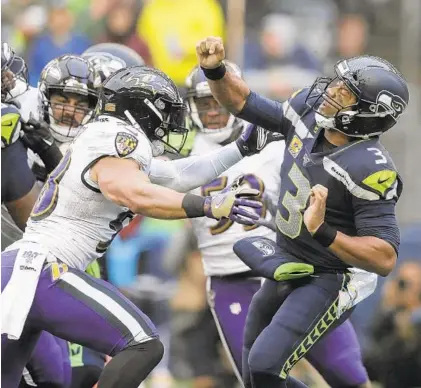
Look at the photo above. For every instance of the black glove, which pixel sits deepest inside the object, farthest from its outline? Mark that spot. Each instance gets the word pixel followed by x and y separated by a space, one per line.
pixel 37 137
pixel 253 139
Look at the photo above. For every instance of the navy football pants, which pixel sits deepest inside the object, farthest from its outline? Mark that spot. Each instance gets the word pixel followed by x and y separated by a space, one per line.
pixel 285 320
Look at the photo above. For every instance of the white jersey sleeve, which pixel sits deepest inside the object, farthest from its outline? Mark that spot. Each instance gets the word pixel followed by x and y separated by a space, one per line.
pixel 189 173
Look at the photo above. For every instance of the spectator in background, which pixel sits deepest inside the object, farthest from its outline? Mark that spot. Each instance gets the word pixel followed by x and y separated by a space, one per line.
pixel 59 39
pixel 25 22
pixel 394 357
pixel 173 27
pixel 278 46
pixel 352 36
pixel 90 16
pixel 120 25
pixel 278 64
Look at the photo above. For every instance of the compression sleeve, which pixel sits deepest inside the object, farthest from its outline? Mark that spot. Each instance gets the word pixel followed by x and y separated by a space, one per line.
pixel 186 174
pixel 264 112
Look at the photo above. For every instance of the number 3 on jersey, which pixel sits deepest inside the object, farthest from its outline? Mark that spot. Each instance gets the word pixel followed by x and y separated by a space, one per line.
pixel 47 199
pixel 219 184
pixel 294 204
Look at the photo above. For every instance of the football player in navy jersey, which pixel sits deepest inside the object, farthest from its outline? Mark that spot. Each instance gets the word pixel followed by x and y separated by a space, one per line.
pixel 336 221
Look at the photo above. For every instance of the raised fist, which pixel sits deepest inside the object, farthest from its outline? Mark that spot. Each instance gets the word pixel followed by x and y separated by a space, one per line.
pixel 210 52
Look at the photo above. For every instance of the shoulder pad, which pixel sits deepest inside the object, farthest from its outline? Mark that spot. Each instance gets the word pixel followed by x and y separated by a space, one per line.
pixel 371 168
pixel 10 124
pixel 114 137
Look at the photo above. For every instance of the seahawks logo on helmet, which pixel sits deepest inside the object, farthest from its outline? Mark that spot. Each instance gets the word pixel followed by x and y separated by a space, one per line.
pixel 388 104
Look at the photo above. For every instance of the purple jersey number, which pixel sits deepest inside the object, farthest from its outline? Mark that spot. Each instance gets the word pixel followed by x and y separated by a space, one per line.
pixel 47 199
pixel 219 184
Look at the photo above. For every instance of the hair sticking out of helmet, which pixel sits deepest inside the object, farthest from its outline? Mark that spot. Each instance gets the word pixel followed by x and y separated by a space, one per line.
pixel 14 74
pixel 68 93
pixel 205 113
pixel 366 98
pixel 149 100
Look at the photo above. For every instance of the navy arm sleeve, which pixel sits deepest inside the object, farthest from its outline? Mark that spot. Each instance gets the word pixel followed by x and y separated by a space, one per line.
pixel 378 219
pixel 17 179
pixel 264 112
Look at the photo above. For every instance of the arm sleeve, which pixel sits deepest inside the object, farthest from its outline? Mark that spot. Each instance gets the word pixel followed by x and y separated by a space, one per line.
pixel 17 178
pixel 186 174
pixel 264 112
pixel 378 219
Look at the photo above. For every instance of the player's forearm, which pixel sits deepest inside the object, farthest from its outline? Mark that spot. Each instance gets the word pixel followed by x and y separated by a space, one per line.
pixel 189 173
pixel 369 253
pixel 157 202
pixel 231 92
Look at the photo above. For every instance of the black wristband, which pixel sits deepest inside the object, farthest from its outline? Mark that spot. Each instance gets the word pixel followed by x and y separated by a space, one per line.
pixel 215 74
pixel 194 205
pixel 325 235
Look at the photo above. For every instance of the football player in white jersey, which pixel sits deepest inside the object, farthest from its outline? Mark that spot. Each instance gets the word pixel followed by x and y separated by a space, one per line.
pixel 50 366
pixel 64 121
pixel 231 284
pixel 107 175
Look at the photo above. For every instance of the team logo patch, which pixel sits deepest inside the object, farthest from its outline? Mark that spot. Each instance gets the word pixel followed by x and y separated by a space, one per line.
pixel 125 143
pixel 295 146
pixel 264 247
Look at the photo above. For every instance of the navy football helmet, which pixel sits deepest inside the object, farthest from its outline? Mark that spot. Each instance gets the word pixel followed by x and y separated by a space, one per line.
pixel 14 74
pixel 107 58
pixel 205 113
pixel 63 80
pixel 381 96
pixel 149 99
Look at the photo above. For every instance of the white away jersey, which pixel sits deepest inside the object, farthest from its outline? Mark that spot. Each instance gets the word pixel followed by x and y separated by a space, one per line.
pixel 71 217
pixel 216 238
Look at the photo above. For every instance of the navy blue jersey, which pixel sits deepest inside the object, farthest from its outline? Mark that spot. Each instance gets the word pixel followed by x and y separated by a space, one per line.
pixel 17 178
pixel 362 180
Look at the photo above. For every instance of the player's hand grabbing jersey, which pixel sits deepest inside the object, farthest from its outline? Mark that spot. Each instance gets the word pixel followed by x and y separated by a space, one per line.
pixel 72 218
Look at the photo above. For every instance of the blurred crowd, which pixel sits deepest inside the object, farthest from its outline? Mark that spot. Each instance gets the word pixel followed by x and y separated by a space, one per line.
pixel 286 45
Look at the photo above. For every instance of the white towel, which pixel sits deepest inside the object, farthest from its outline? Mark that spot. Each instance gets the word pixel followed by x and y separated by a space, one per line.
pixel 18 296
pixel 361 285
